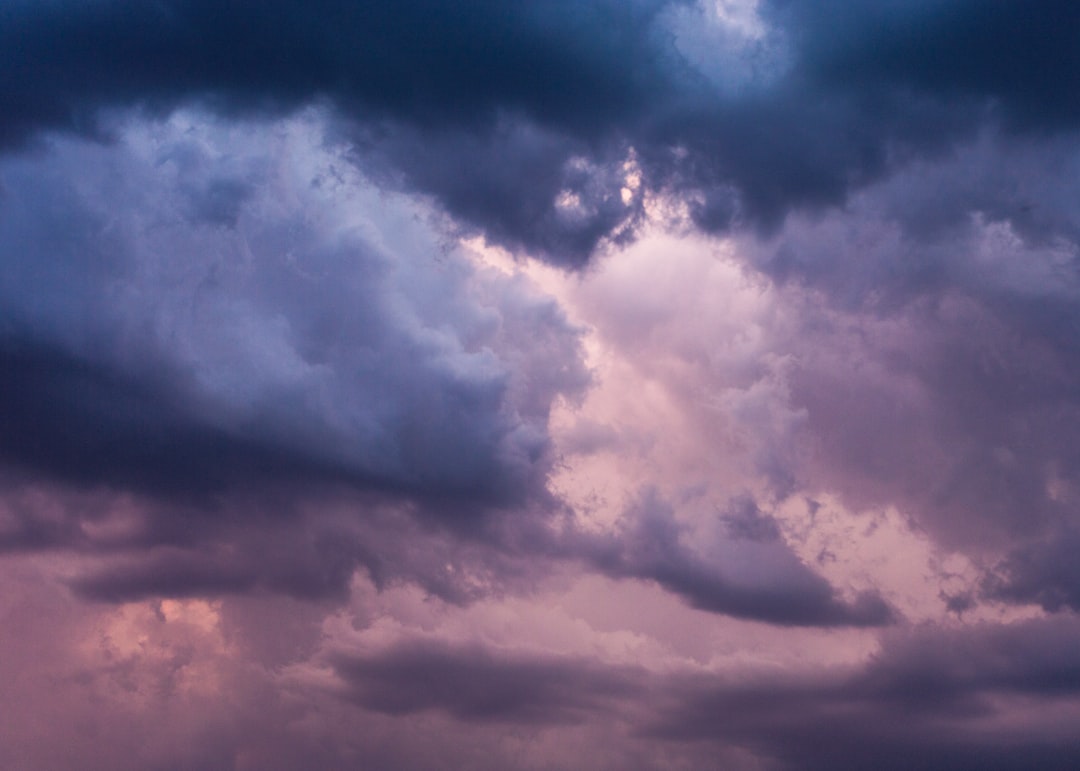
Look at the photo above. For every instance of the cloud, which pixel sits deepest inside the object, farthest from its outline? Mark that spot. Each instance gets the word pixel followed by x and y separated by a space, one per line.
pixel 152 348
pixel 749 578
pixel 924 312
pixel 422 60
pixel 993 55
pixel 649 384
pixel 495 111
pixel 237 342
pixel 934 698
pixel 231 365
pixel 1040 572
pixel 475 684
pixel 448 74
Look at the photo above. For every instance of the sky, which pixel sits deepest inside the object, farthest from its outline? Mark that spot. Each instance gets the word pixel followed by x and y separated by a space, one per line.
pixel 549 384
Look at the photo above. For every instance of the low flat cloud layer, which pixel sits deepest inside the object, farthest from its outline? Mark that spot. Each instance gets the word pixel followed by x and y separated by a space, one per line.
pixel 652 384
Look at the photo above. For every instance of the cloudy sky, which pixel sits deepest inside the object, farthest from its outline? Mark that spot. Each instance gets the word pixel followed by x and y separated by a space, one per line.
pixel 549 384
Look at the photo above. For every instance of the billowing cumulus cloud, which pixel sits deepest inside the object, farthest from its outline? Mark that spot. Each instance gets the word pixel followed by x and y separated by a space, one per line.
pixel 204 321
pixel 180 323
pixel 662 384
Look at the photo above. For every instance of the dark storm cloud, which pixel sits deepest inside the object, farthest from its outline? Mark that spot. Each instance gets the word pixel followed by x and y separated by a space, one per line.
pixel 579 64
pixel 492 107
pixel 873 86
pixel 1020 59
pixel 931 698
pixel 84 421
pixel 956 223
pixel 199 338
pixel 473 683
pixel 757 577
pixel 527 187
pixel 167 330
pixel 450 71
